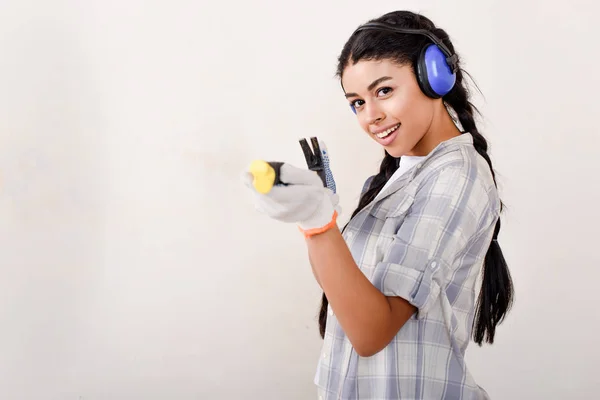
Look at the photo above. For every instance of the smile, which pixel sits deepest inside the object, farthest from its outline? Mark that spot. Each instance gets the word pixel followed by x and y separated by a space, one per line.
pixel 385 133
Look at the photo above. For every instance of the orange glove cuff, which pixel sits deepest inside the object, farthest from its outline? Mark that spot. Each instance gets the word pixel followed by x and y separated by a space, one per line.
pixel 315 231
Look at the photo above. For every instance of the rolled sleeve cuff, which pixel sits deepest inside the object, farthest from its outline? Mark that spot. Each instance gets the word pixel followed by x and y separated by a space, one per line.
pixel 419 288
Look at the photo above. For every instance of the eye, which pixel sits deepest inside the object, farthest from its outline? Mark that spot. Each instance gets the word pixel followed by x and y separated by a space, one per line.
pixel 357 103
pixel 384 91
pixel 381 92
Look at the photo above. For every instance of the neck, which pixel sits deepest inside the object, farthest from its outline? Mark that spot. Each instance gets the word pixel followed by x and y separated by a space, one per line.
pixel 442 128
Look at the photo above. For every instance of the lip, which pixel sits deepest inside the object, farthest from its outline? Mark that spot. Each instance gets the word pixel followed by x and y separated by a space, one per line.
pixel 388 139
pixel 384 129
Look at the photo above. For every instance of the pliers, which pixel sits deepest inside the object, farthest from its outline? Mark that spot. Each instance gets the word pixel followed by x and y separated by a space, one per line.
pixel 314 161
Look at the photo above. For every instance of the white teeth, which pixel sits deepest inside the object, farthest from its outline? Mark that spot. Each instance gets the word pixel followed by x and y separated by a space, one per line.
pixel 387 132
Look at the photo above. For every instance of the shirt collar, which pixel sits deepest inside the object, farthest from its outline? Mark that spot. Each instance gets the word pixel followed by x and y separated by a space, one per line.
pixel 464 139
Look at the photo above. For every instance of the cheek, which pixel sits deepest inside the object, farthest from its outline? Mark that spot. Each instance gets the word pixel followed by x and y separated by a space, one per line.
pixel 399 108
pixel 413 113
pixel 408 105
pixel 364 124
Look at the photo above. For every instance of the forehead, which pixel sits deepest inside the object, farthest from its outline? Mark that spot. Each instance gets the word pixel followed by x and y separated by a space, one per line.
pixel 357 77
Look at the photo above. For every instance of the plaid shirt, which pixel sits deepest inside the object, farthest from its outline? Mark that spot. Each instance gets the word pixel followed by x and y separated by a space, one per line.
pixel 423 239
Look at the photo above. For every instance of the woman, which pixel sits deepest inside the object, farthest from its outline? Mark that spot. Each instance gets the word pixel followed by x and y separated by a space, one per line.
pixel 400 282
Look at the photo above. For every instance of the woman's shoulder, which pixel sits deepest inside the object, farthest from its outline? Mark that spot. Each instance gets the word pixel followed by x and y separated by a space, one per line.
pixel 465 168
pixel 453 168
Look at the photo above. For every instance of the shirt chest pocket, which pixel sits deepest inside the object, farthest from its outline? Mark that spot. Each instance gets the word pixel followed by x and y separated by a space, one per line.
pixel 393 208
pixel 386 217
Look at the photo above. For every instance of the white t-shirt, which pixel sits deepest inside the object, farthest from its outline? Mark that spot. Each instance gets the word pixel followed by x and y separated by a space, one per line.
pixel 406 163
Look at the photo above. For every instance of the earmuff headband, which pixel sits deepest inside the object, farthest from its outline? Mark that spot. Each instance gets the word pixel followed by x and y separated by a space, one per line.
pixel 451 58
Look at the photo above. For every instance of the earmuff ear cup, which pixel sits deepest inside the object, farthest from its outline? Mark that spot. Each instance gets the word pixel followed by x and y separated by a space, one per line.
pixel 434 75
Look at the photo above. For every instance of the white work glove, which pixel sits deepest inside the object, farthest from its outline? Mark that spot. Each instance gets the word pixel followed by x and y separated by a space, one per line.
pixel 303 200
pixel 328 174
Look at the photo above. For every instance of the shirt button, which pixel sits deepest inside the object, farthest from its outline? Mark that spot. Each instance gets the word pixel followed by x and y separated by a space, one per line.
pixel 433 264
pixel 349 235
pixel 330 311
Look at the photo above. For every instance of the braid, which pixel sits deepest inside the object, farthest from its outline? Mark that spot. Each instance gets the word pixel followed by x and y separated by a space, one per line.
pixel 458 99
pixel 496 295
pixel 373 186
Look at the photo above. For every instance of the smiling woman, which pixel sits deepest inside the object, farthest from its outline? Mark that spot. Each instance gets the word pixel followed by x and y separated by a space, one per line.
pixel 399 280
pixel 386 96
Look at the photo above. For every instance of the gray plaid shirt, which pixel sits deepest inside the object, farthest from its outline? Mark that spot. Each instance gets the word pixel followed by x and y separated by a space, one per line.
pixel 423 239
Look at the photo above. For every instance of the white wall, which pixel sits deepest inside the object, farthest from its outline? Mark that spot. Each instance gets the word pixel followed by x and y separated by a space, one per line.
pixel 123 129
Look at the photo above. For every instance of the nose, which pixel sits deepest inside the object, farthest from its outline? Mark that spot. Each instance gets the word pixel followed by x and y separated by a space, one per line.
pixel 373 114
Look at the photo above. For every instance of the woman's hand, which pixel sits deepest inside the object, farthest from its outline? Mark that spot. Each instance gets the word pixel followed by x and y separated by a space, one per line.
pixel 302 200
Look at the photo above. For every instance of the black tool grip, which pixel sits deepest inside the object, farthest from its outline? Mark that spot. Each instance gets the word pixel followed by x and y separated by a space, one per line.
pixel 276 165
pixel 321 172
pixel 314 161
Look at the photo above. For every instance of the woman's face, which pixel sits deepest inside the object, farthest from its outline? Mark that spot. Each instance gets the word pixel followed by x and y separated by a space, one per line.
pixel 389 105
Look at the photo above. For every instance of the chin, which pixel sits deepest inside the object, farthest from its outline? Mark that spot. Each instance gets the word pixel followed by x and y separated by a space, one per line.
pixel 402 146
pixel 396 152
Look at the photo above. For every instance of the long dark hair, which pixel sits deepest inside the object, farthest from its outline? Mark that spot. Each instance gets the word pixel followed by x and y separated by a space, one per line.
pixel 496 295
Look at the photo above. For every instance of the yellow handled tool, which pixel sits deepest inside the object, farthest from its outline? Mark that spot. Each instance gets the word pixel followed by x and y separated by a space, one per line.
pixel 266 175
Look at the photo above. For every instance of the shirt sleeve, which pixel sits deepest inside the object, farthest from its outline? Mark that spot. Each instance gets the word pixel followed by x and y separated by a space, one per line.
pixel 447 211
pixel 366 185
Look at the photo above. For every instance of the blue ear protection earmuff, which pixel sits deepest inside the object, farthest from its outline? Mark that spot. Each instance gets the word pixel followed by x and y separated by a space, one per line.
pixel 435 76
pixel 436 66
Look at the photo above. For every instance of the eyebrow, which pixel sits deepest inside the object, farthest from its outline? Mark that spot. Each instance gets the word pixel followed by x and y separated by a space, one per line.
pixel 371 86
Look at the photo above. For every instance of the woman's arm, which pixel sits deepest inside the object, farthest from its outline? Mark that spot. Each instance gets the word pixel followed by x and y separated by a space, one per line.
pixel 369 319
pixel 449 209
pixel 312 265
